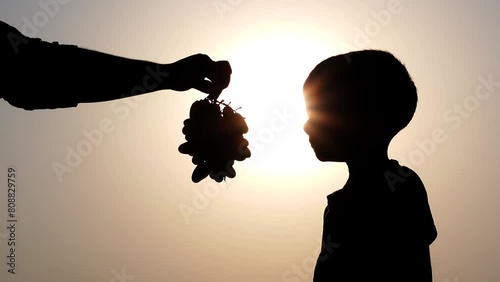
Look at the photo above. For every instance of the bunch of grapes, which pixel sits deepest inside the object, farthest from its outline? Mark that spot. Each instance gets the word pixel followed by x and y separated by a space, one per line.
pixel 214 140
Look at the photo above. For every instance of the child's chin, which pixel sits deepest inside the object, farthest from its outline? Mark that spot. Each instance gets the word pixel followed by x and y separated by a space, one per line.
pixel 327 157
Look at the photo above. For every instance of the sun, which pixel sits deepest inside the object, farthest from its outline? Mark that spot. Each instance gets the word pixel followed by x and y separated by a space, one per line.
pixel 269 70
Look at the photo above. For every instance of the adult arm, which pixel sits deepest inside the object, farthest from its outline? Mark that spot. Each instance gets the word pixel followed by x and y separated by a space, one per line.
pixel 43 75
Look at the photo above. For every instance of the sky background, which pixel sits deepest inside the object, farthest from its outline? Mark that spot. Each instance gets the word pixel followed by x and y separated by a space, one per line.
pixel 128 209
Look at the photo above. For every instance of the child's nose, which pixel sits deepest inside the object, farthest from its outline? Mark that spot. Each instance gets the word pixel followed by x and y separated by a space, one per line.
pixel 307 127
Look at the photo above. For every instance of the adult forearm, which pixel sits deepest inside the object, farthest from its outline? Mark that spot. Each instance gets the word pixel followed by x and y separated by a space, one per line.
pixel 89 75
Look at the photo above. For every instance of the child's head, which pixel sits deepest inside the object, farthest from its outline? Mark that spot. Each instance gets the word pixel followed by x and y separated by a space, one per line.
pixel 357 102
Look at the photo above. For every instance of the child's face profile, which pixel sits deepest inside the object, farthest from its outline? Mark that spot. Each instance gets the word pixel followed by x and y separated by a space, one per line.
pixel 338 129
pixel 326 131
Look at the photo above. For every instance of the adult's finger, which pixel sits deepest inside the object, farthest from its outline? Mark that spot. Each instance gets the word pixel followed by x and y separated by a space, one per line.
pixel 224 71
pixel 204 86
pixel 220 75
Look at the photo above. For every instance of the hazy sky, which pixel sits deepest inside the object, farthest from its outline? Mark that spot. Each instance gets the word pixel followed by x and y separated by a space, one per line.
pixel 128 209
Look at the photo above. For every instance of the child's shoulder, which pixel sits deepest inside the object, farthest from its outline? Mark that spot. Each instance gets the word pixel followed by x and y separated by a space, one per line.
pixel 394 178
pixel 405 182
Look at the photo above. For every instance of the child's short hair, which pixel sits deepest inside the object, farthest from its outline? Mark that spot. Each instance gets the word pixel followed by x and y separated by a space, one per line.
pixel 378 81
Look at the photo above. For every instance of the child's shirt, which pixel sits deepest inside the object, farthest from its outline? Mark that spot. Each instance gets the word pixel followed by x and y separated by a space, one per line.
pixel 378 227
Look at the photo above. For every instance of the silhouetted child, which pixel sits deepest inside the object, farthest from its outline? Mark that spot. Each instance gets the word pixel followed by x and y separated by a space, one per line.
pixel 379 226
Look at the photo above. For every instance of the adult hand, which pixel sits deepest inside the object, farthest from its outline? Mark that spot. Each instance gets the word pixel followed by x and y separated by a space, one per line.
pixel 199 72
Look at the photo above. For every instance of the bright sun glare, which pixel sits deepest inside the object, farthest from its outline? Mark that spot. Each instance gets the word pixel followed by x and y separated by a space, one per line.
pixel 268 73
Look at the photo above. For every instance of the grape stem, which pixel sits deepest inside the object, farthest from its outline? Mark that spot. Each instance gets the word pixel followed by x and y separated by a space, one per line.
pixel 221 102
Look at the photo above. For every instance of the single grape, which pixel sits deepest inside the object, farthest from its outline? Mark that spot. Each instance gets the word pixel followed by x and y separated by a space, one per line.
pixel 240 123
pixel 186 130
pixel 185 148
pixel 242 153
pixel 231 173
pixel 196 108
pixel 200 172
